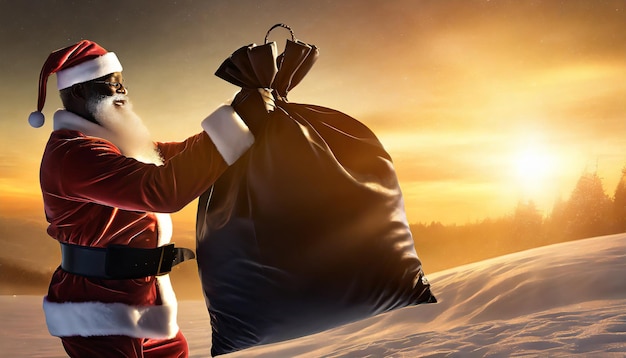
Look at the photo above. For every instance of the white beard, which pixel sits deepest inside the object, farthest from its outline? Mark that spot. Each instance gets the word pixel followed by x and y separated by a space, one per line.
pixel 126 129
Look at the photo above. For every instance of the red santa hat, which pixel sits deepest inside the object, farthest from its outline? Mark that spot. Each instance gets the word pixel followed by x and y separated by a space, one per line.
pixel 77 63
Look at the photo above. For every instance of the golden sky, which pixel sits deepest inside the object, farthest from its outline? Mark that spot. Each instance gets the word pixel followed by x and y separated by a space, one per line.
pixel 480 103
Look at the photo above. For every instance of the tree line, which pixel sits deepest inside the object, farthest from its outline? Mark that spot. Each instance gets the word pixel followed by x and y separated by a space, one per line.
pixel 589 211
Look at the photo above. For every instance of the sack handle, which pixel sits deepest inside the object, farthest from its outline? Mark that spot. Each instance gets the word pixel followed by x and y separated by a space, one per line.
pixel 293 36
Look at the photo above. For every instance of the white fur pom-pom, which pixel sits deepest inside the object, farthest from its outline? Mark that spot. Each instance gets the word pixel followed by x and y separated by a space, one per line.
pixel 36 119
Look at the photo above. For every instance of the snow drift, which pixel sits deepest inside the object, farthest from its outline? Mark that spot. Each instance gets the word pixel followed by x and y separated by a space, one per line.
pixel 557 300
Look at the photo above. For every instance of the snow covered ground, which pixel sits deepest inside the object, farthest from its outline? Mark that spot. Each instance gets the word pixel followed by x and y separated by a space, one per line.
pixel 556 301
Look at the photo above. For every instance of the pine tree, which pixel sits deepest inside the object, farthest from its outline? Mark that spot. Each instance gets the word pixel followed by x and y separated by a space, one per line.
pixel 527 223
pixel 588 211
pixel 619 204
pixel 557 221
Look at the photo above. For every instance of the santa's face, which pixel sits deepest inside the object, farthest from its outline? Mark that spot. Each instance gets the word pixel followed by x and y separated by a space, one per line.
pixel 113 111
pixel 108 89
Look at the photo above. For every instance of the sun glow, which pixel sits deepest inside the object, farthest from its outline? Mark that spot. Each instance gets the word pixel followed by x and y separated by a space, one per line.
pixel 534 166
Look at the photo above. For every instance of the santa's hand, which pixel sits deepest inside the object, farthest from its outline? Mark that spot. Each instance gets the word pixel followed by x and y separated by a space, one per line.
pixel 254 106
pixel 268 98
pixel 264 94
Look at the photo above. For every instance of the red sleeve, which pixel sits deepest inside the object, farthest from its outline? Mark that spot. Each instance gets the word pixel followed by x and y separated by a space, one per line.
pixel 170 149
pixel 88 169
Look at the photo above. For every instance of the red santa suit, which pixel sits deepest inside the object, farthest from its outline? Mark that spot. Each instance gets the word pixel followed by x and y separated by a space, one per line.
pixel 95 196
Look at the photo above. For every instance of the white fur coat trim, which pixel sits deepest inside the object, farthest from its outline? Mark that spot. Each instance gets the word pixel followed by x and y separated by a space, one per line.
pixel 229 133
pixel 67 120
pixel 105 319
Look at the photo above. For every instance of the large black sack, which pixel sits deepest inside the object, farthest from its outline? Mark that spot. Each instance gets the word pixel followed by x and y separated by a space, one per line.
pixel 306 231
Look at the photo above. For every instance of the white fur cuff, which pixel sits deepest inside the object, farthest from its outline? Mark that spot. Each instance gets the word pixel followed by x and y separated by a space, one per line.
pixel 229 133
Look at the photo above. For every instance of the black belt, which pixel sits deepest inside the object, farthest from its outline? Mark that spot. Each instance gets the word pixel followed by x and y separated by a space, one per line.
pixel 118 262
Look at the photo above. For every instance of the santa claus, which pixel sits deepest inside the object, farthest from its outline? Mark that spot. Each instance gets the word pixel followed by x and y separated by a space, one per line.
pixel 107 188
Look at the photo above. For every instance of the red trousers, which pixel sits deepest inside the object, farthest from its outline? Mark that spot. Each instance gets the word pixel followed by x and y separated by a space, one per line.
pixel 125 347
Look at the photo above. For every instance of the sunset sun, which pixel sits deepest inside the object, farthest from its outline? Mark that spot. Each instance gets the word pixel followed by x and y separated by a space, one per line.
pixel 533 166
